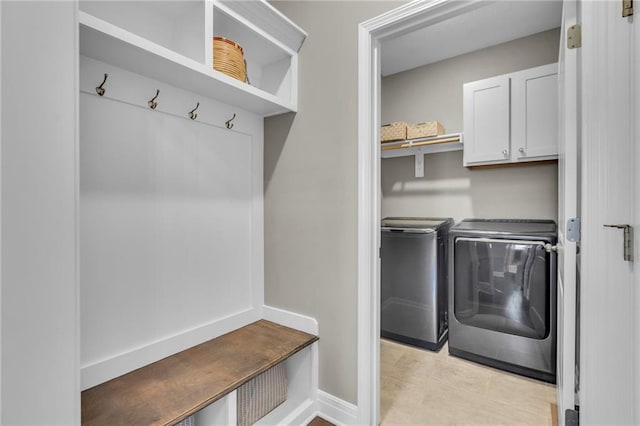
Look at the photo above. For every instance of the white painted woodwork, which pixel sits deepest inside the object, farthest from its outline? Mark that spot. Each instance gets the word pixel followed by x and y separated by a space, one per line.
pixel 222 412
pixel 270 63
pixel 300 387
pixel 39 276
pixel 511 117
pixel 431 148
pixel 268 19
pixel 300 402
pixel 172 208
pixel 171 221
pixel 177 25
pixel 568 202
pixel 486 121
pixel 172 42
pixel 155 220
pixel 1 320
pixel 290 319
pixel 420 150
pixel 608 287
pixel 534 113
pixel 336 410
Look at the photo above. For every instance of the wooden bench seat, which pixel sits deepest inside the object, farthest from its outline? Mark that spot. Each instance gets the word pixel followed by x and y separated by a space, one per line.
pixel 170 390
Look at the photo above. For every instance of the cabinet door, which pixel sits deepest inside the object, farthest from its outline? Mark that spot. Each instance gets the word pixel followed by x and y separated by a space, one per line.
pixel 486 121
pixel 534 114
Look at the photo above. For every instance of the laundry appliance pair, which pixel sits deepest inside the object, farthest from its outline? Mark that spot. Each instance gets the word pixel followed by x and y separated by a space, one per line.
pixel 489 285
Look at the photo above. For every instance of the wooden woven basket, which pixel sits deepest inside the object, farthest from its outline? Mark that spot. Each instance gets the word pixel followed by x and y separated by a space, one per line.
pixel 228 58
pixel 425 130
pixel 395 131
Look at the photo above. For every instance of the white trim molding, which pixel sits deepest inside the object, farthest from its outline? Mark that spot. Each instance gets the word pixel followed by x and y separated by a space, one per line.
pixel 411 16
pixel 368 218
pixel 1 217
pixel 290 319
pixel 336 410
pixel 103 370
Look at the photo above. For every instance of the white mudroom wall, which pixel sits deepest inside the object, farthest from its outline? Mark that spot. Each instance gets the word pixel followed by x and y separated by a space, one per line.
pixel 170 221
pixel 434 92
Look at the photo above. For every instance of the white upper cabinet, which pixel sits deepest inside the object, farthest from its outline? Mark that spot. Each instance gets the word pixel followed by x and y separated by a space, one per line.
pixel 171 41
pixel 534 113
pixel 511 118
pixel 486 120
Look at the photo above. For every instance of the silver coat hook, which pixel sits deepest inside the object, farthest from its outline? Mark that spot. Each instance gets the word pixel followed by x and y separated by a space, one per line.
pixel 229 123
pixel 192 113
pixel 152 103
pixel 100 90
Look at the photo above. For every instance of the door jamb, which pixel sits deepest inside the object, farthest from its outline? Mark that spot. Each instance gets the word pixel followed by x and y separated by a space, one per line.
pixel 403 19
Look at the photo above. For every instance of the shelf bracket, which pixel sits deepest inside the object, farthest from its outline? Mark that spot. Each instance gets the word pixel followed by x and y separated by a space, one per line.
pixel 419 164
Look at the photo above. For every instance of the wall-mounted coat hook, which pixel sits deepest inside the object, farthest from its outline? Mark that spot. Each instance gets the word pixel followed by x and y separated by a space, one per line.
pixel 229 123
pixel 192 113
pixel 152 102
pixel 100 90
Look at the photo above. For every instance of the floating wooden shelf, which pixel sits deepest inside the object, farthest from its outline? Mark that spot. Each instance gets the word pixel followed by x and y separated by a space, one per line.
pixel 170 390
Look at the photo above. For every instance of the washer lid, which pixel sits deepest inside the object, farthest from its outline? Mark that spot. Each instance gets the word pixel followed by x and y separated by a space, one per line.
pixel 508 226
pixel 416 222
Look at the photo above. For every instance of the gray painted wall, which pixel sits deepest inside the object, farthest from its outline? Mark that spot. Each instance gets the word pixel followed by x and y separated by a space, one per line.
pixel 449 189
pixel 311 187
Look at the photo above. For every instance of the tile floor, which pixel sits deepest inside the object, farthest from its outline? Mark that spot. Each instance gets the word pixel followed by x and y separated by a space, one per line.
pixel 421 387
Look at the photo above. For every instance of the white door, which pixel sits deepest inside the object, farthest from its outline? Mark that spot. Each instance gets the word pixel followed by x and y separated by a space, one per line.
pixel 608 303
pixel 567 208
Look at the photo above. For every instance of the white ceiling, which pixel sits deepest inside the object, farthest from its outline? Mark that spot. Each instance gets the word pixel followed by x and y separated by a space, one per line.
pixel 488 25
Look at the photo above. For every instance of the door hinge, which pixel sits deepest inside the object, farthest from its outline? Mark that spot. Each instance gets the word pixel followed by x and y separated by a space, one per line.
pixel 574 36
pixel 627 8
pixel 571 417
pixel 573 229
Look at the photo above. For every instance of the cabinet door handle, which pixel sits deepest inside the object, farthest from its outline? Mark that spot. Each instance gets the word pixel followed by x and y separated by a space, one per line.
pixel 521 150
pixel 505 152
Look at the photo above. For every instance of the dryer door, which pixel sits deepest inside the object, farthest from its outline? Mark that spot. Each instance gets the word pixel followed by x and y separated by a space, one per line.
pixel 503 285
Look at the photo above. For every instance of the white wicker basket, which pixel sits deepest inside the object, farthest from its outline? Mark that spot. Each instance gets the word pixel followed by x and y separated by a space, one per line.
pixel 259 396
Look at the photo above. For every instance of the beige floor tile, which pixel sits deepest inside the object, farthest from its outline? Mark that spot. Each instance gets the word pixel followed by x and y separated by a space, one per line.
pixel 421 387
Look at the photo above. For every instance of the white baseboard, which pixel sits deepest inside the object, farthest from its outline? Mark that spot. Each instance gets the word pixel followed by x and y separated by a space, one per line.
pixel 336 410
pixel 107 369
pixel 290 319
pixel 302 415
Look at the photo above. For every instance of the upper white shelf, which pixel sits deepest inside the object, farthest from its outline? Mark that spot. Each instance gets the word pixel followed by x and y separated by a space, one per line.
pixel 442 143
pixel 420 146
pixel 137 47
pixel 268 19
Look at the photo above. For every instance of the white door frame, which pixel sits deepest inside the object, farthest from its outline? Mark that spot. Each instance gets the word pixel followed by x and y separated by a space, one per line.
pixel 404 19
pixel 421 13
pixel 568 199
